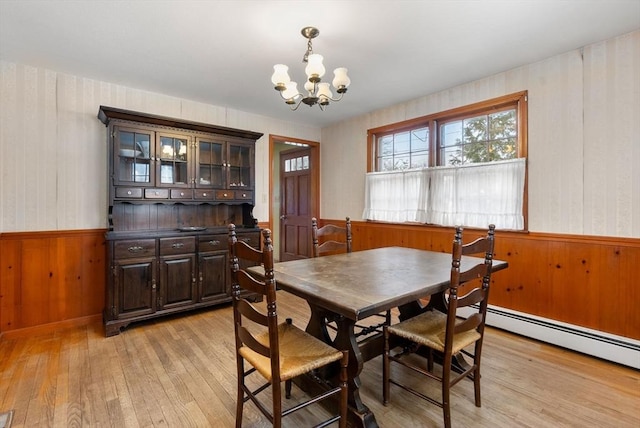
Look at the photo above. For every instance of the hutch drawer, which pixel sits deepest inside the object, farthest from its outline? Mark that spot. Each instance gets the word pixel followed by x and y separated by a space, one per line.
pixel 252 239
pixel 206 195
pixel 129 192
pixel 222 195
pixel 134 248
pixel 213 243
pixel 181 194
pixel 244 195
pixel 156 193
pixel 183 245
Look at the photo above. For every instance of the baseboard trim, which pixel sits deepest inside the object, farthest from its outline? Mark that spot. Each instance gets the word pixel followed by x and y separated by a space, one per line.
pixel 618 349
pixel 50 327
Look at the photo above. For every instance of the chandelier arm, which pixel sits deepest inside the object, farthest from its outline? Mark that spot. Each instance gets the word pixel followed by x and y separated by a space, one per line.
pixel 336 99
pixel 296 107
pixel 285 98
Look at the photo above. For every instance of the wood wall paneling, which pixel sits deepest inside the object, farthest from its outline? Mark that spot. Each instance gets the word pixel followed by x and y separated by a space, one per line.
pixel 580 280
pixel 50 277
pixel 54 277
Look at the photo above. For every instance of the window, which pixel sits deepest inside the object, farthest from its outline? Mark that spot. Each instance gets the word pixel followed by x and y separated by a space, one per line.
pixel 465 166
pixel 403 150
pixel 483 138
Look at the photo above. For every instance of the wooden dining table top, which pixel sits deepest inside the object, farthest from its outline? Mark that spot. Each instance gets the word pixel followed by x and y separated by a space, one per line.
pixel 362 283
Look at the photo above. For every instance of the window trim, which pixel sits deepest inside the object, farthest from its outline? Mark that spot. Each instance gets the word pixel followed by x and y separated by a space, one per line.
pixel 517 99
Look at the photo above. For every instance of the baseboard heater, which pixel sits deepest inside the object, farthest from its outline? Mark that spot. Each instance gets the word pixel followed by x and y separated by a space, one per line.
pixel 618 349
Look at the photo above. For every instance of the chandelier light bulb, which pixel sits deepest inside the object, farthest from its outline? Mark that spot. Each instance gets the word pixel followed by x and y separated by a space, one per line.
pixel 314 68
pixel 280 77
pixel 324 93
pixel 291 91
pixel 309 86
pixel 341 81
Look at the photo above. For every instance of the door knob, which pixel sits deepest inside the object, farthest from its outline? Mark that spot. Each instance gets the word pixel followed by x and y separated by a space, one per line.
pixel 283 217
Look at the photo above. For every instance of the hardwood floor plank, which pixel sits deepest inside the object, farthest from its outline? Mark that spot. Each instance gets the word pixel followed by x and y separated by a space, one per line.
pixel 78 412
pixel 10 351
pixel 142 403
pixel 180 371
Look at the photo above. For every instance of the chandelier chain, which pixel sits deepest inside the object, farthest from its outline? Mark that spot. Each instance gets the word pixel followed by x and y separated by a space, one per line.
pixel 309 51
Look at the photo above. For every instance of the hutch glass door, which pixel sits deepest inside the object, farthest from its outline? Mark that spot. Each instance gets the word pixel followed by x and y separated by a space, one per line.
pixel 172 153
pixel 133 156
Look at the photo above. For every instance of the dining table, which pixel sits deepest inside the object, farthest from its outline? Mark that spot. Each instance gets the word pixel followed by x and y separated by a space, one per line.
pixel 350 287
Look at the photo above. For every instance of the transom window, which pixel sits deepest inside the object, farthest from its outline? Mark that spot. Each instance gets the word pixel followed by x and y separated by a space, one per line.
pixel 465 166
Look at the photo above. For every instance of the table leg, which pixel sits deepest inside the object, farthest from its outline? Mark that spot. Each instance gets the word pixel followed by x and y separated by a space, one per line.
pixel 359 414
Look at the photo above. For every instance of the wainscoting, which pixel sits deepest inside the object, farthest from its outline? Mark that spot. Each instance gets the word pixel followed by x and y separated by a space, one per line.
pixel 573 291
pixel 563 283
pixel 49 280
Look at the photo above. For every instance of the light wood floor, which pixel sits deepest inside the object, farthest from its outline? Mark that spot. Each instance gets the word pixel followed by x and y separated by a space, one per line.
pixel 180 372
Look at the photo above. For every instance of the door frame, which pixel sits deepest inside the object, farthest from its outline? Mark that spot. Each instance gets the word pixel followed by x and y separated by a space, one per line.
pixel 314 146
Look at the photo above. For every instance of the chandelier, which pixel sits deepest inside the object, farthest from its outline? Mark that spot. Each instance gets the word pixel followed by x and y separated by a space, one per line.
pixel 317 92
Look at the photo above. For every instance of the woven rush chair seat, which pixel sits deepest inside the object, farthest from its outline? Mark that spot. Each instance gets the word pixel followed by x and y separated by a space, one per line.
pixel 430 329
pixel 299 353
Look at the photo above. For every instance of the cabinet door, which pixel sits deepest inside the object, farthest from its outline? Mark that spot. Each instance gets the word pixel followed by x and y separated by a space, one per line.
pixel 172 155
pixel 240 166
pixel 135 288
pixel 133 152
pixel 177 281
pixel 210 171
pixel 213 276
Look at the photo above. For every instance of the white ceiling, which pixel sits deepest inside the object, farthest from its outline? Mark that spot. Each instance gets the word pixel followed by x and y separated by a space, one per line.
pixel 222 52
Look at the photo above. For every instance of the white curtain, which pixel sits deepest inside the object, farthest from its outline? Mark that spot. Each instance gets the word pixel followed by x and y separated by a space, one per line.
pixel 397 196
pixel 472 195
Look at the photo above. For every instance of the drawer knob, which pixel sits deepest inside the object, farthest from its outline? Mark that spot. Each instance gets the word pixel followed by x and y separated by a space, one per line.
pixel 225 195
pixel 135 249
pixel 214 242
pixel 244 195
pixel 129 192
pixel 157 193
pixel 204 194
pixel 181 193
pixel 177 245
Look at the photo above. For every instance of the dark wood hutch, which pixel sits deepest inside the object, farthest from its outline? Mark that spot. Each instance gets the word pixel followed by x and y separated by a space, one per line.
pixel 174 186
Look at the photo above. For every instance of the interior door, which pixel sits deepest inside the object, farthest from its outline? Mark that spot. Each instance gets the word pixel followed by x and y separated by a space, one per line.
pixel 296 204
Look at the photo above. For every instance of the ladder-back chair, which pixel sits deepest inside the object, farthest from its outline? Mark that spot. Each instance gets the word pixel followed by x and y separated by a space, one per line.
pixel 335 239
pixel 276 351
pixel 447 334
